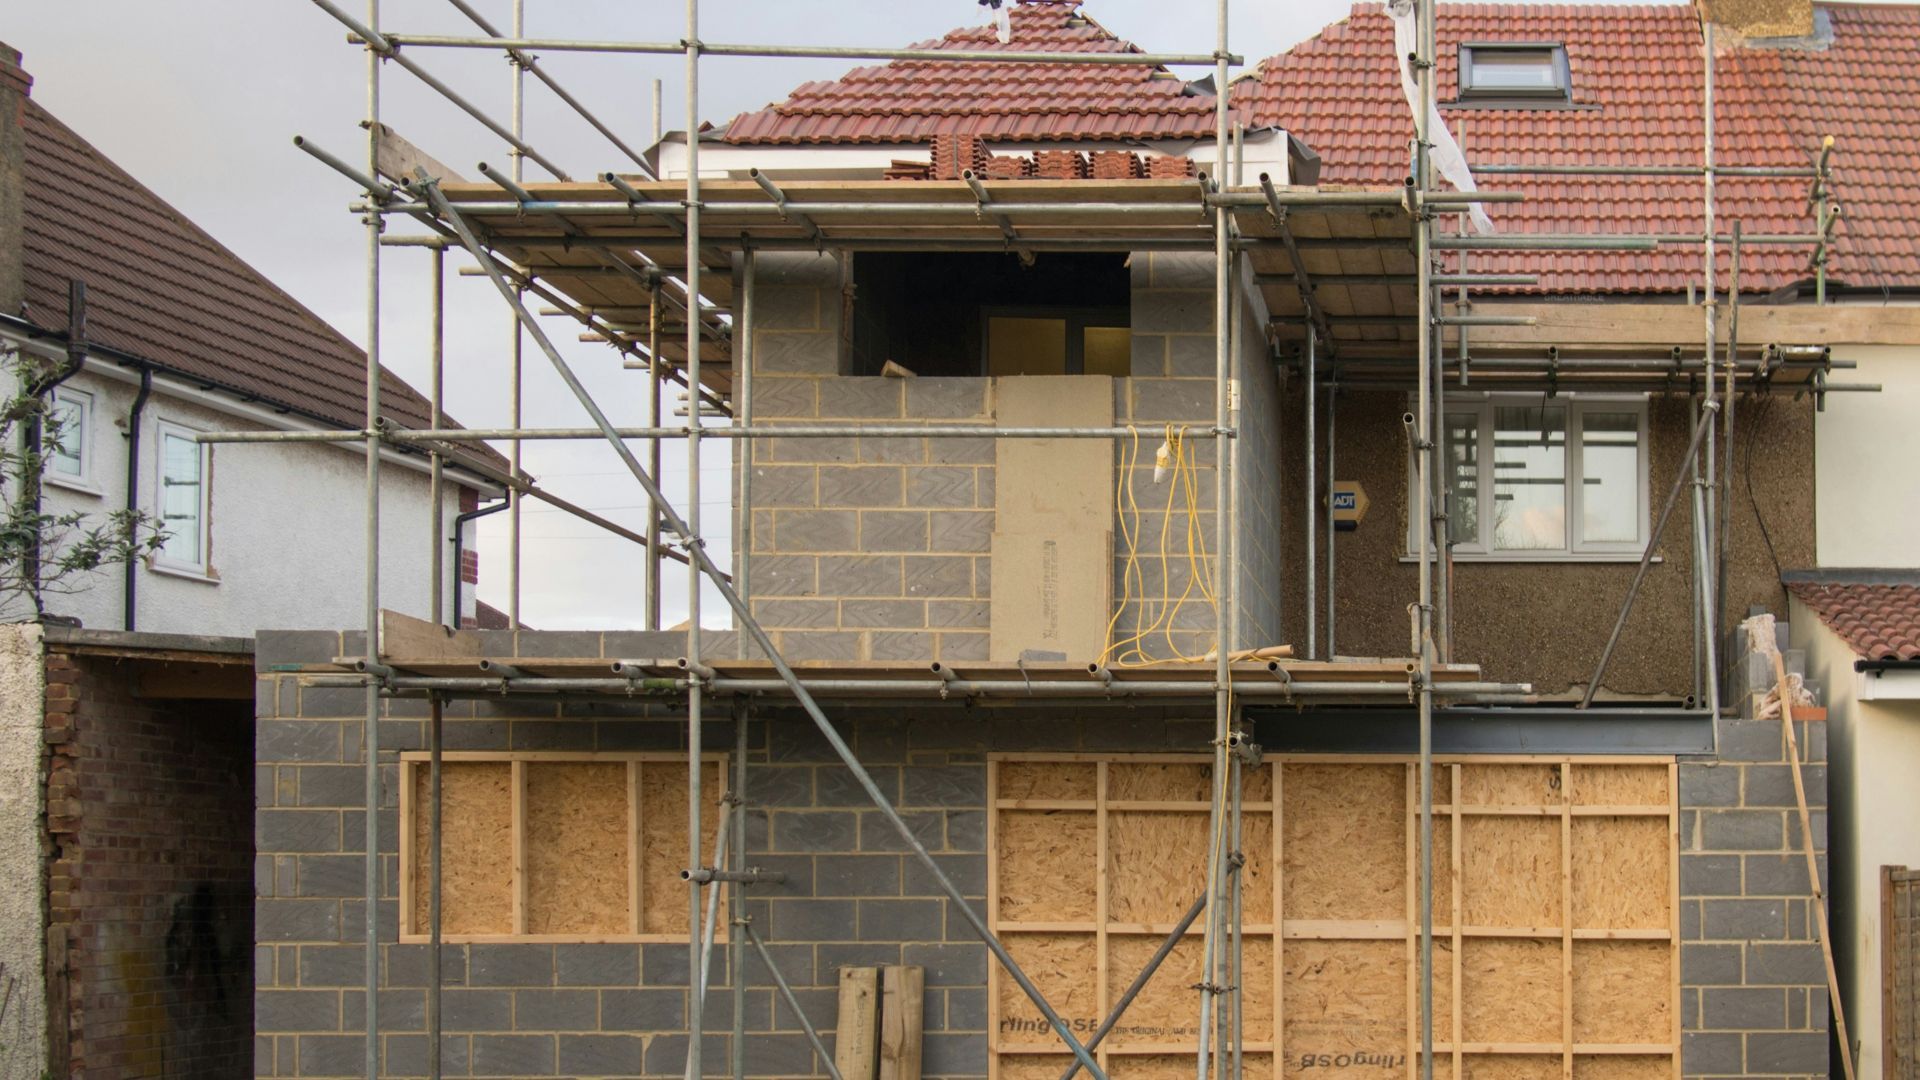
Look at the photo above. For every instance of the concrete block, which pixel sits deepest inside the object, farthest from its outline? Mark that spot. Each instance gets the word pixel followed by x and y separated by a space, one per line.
pixel 1732 1008
pixel 966 830
pixel 779 486
pixel 821 1008
pixel 1181 270
pixel 556 1010
pixel 814 920
pixel 861 397
pixel 856 875
pixel 877 834
pixel 1742 830
pixel 477 1010
pixel 406 965
pixel 650 1009
pixel 883 614
pixel 966 1009
pixel 1819 820
pixel 1711 1054
pixel 862 485
pixel 785 307
pixel 901 645
pixel 298 740
pixel 513 1055
pixel 794 739
pixel 510 965
pixel 900 920
pixel 944 1054
pixel 400 1010
pixel 1751 740
pixel 891 450
pixel 959 614
pixel 940 486
pixel 667 1055
pixel 600 1055
pixel 597 965
pixel 956 647
pixel 1743 920
pixel 784 398
pixel 986 487
pixel 1709 785
pixel 862 575
pixel 952 785
pixel 815 530
pixel 1191 356
pixel 327 1055
pixel 802 451
pixel 1148 356
pixel 1173 311
pixel 296 920
pixel 794 961
pixel 272 647
pixel 329 875
pixel 666 965
pixel 1709 875
pixel 1787 1053
pixel 814 830
pixel 780 785
pixel 1772 785
pixel 789 613
pixel 934 398
pixel 784 575
pixel 796 268
pixel 796 352
pixel 834 785
pixel 832 957
pixel 949 965
pixel 1177 400
pixel 1796 964
pixel 888 531
pixel 406 1055
pixel 960 450
pixel 1779 875
pixel 983 577
pixel 296 1010
pixel 962 530
pixel 297 830
pixel 938 576
pixel 554 734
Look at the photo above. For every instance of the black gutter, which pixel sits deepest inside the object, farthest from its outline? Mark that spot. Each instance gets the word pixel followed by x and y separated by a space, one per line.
pixel 459 549
pixel 1877 666
pixel 133 486
pixel 31 481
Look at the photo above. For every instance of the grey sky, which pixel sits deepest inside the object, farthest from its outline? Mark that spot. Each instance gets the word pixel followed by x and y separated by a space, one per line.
pixel 200 101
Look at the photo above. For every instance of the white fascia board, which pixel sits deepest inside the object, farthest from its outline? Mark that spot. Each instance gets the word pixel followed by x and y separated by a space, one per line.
pixel 177 387
pixel 1892 684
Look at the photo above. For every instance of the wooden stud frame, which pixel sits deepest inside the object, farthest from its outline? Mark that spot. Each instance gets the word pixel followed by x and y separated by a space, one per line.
pixel 1589 813
pixel 413 769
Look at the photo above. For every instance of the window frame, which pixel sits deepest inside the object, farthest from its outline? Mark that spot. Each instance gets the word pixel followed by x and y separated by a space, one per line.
pixel 1078 319
pixel 1577 407
pixel 161 559
pixel 1561 91
pixel 83 481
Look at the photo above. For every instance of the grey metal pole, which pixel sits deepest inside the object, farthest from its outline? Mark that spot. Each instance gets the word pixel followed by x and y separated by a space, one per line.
pixel 1140 981
pixel 1726 470
pixel 370 739
pixel 736 911
pixel 743 449
pixel 436 739
pixel 786 992
pixel 803 52
pixel 1237 975
pixel 1333 399
pixel 698 554
pixel 1703 562
pixel 1704 594
pixel 435 490
pixel 1311 482
pixel 696 1009
pixel 1423 259
pixel 654 390
pixel 1686 472
pixel 517 340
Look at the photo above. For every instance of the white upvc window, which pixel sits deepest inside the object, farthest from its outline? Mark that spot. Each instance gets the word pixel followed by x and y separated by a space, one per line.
pixel 69 446
pixel 184 499
pixel 1545 478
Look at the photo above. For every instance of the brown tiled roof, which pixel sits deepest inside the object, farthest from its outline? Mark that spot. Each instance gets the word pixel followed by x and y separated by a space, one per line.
pixel 910 101
pixel 161 289
pixel 1878 621
pixel 1637 91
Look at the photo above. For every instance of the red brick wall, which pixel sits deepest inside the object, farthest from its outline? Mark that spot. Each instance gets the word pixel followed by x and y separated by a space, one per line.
pixel 150 869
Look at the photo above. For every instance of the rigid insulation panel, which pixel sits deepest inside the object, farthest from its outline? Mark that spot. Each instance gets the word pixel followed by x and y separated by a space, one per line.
pixel 1562 963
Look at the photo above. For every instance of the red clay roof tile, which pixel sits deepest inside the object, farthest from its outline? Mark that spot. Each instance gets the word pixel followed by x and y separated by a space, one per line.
pixel 1880 622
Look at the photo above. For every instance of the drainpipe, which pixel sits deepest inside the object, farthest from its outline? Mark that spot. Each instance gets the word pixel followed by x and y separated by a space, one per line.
pixel 132 568
pixel 31 480
pixel 459 548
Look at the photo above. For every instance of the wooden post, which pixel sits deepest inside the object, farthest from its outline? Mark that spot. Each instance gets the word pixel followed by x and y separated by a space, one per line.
pixel 856 1044
pixel 902 995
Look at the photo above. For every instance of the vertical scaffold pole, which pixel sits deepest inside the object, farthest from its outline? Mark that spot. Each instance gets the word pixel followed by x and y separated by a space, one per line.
pixel 436 740
pixel 514 404
pixel 737 862
pixel 436 514
pixel 742 449
pixel 1703 503
pixel 695 1006
pixel 1333 401
pixel 1312 483
pixel 1423 61
pixel 371 737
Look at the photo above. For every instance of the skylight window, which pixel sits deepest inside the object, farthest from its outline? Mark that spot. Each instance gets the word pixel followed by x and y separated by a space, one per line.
pixel 1533 71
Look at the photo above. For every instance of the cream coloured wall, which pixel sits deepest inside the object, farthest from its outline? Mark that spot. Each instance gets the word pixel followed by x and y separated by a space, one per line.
pixel 1866 495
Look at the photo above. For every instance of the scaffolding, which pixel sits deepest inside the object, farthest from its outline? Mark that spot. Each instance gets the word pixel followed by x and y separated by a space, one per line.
pixel 620 255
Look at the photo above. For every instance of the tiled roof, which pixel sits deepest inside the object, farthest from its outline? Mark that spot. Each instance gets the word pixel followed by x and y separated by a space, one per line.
pixel 910 101
pixel 161 289
pixel 1637 100
pixel 1880 622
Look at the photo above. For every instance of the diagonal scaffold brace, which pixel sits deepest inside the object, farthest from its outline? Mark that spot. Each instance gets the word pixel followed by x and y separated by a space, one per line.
pixel 696 550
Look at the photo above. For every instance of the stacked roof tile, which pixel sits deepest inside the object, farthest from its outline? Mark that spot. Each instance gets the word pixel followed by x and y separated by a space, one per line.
pixel 161 289
pixel 1637 99
pixel 910 100
pixel 1878 621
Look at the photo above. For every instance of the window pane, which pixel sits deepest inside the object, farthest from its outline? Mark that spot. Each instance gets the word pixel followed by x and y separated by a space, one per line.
pixel 1018 346
pixel 1610 477
pixel 1512 69
pixel 180 498
pixel 1529 478
pixel 1107 350
pixel 1463 477
pixel 63 451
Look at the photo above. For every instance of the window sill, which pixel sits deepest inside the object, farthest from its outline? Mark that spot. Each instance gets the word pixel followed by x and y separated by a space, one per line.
pixel 205 577
pixel 1555 557
pixel 73 484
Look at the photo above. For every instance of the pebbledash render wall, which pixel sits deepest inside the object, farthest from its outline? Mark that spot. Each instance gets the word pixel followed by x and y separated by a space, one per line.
pixel 878 548
pixel 1752 1001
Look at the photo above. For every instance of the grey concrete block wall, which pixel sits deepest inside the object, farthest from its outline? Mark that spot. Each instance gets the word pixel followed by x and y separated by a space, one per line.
pixel 1753 980
pixel 852 894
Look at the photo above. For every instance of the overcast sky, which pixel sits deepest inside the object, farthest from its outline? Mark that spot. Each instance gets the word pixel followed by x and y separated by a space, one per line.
pixel 200 101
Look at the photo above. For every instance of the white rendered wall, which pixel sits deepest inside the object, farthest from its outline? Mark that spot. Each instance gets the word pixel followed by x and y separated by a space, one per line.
pixel 1866 492
pixel 23 1025
pixel 1873 753
pixel 288 528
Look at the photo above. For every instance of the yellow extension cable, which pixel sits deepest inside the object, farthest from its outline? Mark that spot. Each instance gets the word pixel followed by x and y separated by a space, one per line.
pixel 1183 489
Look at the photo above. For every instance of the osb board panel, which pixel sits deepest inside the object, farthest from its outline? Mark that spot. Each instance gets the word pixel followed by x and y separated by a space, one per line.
pixel 1037 849
pixel 1619 785
pixel 1344 843
pixel 1161 781
pixel 578 874
pixel 1510 990
pixel 1344 1000
pixel 1170 1066
pixel 1055 587
pixel 663 840
pixel 1618 1067
pixel 476 847
pixel 1256 875
pixel 1620 873
pixel 1059 964
pixel 1156 864
pixel 1510 785
pixel 1622 991
pixel 1036 1066
pixel 1510 1067
pixel 1510 871
pixel 1168 1007
pixel 1047 780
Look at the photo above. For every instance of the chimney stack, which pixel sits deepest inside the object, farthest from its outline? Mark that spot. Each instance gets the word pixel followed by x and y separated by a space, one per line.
pixel 15 84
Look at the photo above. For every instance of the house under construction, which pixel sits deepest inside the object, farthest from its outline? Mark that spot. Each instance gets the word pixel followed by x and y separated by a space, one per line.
pixel 1088 676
